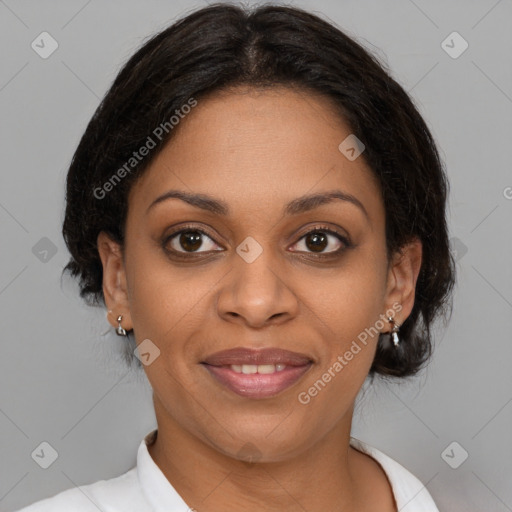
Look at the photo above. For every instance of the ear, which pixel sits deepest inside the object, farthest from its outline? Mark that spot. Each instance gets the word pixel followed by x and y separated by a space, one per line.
pixel 403 272
pixel 114 281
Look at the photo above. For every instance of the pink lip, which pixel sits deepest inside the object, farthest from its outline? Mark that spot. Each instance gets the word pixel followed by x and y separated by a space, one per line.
pixel 257 385
pixel 241 355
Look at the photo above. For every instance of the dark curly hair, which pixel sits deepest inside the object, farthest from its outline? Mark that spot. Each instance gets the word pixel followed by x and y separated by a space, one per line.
pixel 225 45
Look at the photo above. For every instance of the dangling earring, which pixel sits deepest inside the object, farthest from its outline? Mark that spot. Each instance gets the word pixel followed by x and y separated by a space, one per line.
pixel 394 331
pixel 119 330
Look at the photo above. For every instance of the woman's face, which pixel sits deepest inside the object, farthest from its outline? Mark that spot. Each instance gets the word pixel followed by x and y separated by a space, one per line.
pixel 258 277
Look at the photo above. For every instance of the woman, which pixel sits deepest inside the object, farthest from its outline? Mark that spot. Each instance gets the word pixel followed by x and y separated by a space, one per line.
pixel 262 208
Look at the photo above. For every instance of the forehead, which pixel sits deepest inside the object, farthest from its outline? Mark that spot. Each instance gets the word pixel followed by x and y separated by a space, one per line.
pixel 260 149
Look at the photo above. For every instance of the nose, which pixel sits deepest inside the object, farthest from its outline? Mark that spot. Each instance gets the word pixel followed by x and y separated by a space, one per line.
pixel 257 294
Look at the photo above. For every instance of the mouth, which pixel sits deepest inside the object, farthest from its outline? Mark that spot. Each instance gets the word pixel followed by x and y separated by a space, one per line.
pixel 257 374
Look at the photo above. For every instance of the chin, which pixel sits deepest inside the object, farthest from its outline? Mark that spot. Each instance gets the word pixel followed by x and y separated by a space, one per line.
pixel 262 445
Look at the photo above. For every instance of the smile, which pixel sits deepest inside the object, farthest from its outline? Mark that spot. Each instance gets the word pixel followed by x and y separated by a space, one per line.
pixel 257 368
pixel 257 381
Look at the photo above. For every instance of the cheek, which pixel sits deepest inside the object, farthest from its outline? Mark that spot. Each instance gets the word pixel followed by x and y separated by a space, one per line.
pixel 168 302
pixel 352 297
pixel 350 304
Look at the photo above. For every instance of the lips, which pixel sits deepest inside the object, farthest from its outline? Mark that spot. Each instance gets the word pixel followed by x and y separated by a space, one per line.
pixel 247 356
pixel 257 373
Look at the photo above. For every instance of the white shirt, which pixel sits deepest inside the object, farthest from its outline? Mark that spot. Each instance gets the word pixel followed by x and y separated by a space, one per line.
pixel 144 488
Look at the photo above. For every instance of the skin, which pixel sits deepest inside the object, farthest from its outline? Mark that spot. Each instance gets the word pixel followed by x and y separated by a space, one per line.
pixel 256 150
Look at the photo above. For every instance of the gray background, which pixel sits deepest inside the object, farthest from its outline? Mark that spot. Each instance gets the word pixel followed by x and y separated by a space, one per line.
pixel 62 379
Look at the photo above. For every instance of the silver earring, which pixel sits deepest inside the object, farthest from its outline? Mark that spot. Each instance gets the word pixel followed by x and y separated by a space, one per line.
pixel 394 331
pixel 119 330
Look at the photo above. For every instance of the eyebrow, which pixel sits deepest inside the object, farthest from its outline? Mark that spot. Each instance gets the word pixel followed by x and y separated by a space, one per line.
pixel 299 205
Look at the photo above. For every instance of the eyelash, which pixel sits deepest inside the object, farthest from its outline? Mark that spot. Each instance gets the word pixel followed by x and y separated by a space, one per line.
pixel 317 229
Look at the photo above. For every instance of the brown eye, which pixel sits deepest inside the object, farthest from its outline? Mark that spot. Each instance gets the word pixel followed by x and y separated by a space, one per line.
pixel 189 241
pixel 318 240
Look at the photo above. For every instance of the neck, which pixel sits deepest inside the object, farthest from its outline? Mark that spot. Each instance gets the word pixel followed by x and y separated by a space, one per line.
pixel 321 477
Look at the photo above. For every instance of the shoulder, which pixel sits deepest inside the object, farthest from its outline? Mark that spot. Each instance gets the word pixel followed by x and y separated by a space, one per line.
pixel 410 493
pixel 119 493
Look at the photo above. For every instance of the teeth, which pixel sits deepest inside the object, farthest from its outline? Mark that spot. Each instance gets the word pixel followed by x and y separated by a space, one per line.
pixel 260 368
pixel 266 368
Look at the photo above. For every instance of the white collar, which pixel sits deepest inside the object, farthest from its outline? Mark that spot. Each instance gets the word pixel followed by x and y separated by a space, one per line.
pixel 157 490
